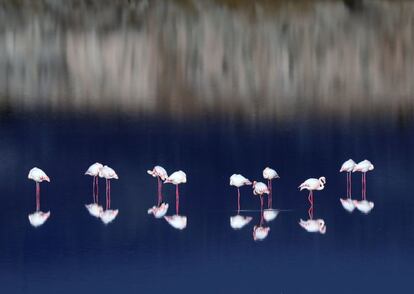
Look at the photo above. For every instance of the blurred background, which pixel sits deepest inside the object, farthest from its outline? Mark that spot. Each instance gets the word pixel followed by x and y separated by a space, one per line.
pixel 212 87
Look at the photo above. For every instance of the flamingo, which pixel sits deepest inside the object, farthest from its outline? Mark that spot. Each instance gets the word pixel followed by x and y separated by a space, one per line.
pixel 260 232
pixel 348 166
pixel 38 218
pixel 364 205
pixel 239 221
pixel 161 208
pixel 312 185
pixel 94 208
pixel 269 174
pixel 177 221
pixel 108 215
pixel 313 226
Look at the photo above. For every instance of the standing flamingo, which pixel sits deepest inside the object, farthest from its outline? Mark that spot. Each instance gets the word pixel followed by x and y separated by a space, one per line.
pixel 312 225
pixel 260 232
pixel 108 215
pixel 161 174
pixel 348 166
pixel 269 174
pixel 239 221
pixel 38 218
pixel 364 206
pixel 94 208
pixel 177 221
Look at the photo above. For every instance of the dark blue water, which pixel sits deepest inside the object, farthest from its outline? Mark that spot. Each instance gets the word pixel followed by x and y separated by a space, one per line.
pixel 73 251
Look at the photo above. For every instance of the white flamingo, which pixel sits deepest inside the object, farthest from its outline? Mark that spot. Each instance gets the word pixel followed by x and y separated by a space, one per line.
pixel 161 208
pixel 270 214
pixel 311 185
pixel 239 221
pixel 177 221
pixel 94 208
pixel 108 215
pixel 348 166
pixel 38 218
pixel 364 205
pixel 260 232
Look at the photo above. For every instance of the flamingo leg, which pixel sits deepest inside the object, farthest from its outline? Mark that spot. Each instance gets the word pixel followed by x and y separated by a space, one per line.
pixel 109 193
pixel 97 189
pixel 238 200
pixel 177 200
pixel 261 210
pixel 350 185
pixel 37 196
pixel 310 199
pixel 159 190
pixel 106 194
pixel 365 186
pixel 269 201
pixel 347 185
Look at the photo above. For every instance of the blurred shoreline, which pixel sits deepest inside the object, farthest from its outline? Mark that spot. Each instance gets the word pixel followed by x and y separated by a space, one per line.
pixel 267 60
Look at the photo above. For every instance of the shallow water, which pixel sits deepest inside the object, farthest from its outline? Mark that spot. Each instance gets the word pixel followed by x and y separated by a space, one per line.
pixel 136 252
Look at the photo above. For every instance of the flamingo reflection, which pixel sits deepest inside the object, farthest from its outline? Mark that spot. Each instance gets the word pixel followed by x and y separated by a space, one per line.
pixel 239 221
pixel 161 208
pixel 177 221
pixel 38 218
pixel 94 208
pixel 347 203
pixel 312 225
pixel 364 205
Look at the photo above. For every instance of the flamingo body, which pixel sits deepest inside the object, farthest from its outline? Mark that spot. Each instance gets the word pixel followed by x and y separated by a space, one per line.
pixel 313 184
pixel 159 211
pixel 178 222
pixel 239 221
pixel 94 209
pixel 348 166
pixel 176 178
pixel 38 218
pixel 363 166
pixel 37 175
pixel 260 233
pixel 270 174
pixel 108 173
pixel 158 171
pixel 238 180
pixel 364 206
pixel 313 226
pixel 270 214
pixel 260 188
pixel 108 215
pixel 347 204
pixel 94 169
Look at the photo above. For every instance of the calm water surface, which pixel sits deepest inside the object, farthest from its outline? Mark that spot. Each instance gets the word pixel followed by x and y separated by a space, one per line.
pixel 74 251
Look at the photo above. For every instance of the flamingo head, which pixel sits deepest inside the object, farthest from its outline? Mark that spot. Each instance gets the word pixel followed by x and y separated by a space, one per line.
pixel 45 178
pixel 322 180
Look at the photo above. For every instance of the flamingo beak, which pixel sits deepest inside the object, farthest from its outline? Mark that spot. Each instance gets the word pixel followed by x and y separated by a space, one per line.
pixel 47 179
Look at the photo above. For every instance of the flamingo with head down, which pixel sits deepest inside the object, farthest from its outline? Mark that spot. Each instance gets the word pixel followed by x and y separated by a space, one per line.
pixel 161 208
pixel 108 215
pixel 269 213
pixel 364 205
pixel 38 218
pixel 260 232
pixel 239 221
pixel 94 208
pixel 177 221
pixel 347 203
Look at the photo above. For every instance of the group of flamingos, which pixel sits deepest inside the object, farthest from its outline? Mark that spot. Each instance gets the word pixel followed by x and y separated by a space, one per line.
pixel 177 221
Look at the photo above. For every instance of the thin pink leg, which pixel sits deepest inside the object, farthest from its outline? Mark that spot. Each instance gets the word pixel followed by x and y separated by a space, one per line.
pixel 269 201
pixel 106 193
pixel 93 189
pixel 109 193
pixel 347 185
pixel 159 191
pixel 365 186
pixel 37 196
pixel 238 200
pixel 310 199
pixel 177 200
pixel 261 210
pixel 97 189
pixel 350 185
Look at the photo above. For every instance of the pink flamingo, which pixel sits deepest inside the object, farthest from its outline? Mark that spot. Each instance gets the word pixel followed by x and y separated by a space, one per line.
pixel 364 205
pixel 38 218
pixel 94 208
pixel 177 221
pixel 108 215
pixel 348 167
pixel 311 185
